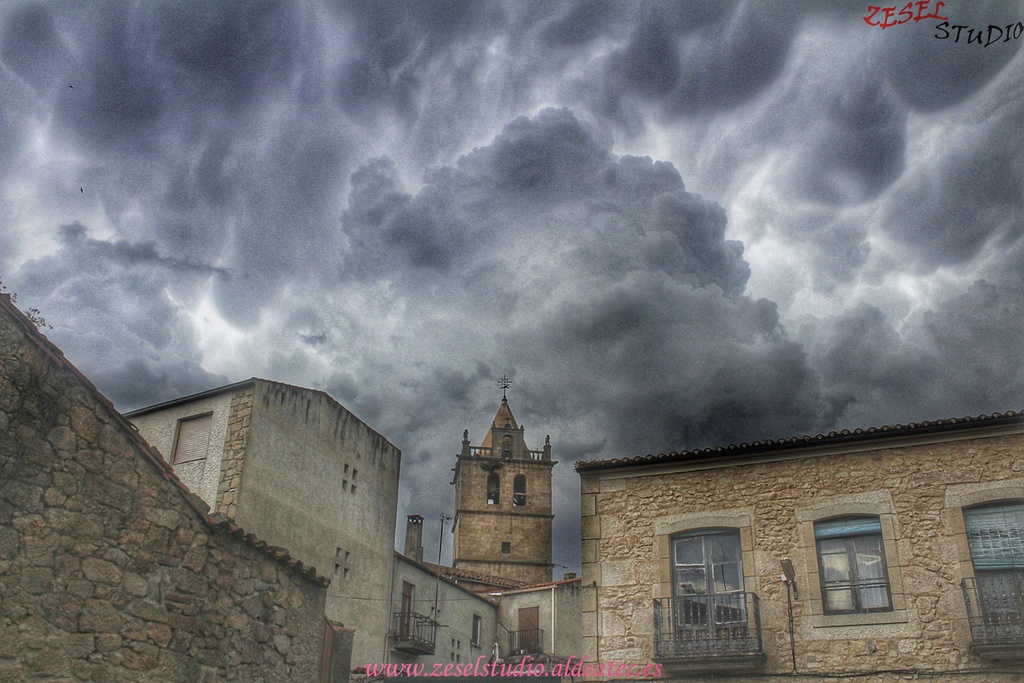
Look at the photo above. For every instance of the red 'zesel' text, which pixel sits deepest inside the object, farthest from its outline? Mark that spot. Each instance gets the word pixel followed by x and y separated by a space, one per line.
pixel 884 17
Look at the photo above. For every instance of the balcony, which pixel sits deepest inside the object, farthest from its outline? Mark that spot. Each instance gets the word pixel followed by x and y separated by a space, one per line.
pixel 480 452
pixel 709 632
pixel 414 633
pixel 995 612
pixel 527 642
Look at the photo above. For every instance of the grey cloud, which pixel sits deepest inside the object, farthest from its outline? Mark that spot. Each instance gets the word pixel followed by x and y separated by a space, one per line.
pixel 31 47
pixel 124 253
pixel 958 359
pixel 649 301
pixel 694 60
pixel 931 73
pixel 971 194
pixel 109 307
pixel 853 148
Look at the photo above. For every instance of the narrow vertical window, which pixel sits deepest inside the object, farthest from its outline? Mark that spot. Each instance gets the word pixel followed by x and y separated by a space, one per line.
pixel 519 490
pixel 405 615
pixel 493 489
pixel 477 627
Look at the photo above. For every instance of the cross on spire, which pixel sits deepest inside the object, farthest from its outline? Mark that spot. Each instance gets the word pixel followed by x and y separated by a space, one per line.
pixel 504 383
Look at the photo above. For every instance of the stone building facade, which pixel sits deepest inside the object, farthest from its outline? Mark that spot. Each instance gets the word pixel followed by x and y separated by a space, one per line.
pixel 503 504
pixel 900 551
pixel 111 570
pixel 298 469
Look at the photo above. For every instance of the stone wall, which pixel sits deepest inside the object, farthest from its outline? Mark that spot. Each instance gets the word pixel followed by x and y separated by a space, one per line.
pixel 109 568
pixel 239 420
pixel 917 490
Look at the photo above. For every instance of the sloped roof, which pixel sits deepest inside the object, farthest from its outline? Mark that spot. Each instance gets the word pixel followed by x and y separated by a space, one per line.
pixel 541 586
pixel 844 437
pixel 456 573
pixel 147 452
pixel 502 418
pixel 442 573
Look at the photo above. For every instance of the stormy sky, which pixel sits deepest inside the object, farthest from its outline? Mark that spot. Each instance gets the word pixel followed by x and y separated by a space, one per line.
pixel 671 224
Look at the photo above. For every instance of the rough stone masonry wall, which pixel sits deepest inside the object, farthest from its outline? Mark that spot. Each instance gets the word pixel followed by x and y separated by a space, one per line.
pixel 234 451
pixel 625 552
pixel 107 572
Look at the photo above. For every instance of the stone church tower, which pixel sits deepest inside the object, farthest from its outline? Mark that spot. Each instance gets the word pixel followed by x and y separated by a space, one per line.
pixel 503 503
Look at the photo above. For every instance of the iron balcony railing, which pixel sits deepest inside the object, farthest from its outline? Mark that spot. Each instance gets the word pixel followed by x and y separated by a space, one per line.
pixel 995 609
pixel 526 642
pixel 414 633
pixel 702 626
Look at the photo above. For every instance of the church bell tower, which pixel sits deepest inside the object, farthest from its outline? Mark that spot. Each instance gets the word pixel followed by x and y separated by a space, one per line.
pixel 503 503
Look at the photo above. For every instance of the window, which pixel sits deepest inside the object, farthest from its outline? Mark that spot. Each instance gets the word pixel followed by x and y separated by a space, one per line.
pixel 506 547
pixel 707 577
pixel 851 558
pixel 529 636
pixel 493 488
pixel 477 627
pixel 995 536
pixel 506 447
pixel 193 439
pixel 405 617
pixel 519 491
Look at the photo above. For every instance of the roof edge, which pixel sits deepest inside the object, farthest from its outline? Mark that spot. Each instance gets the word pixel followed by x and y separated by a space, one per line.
pixel 191 397
pixel 892 434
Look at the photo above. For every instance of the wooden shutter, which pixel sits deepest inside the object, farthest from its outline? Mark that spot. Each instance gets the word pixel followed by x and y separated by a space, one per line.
pixel 193 439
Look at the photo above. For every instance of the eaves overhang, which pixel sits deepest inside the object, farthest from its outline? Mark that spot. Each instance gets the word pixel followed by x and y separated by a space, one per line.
pixel 833 443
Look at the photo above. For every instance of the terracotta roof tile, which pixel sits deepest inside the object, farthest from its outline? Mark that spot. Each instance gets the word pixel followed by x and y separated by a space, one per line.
pixel 470 575
pixel 841 437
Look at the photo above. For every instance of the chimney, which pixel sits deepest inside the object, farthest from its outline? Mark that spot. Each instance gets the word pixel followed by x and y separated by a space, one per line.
pixel 414 537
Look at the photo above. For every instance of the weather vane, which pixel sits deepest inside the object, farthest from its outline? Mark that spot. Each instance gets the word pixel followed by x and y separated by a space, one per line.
pixel 504 383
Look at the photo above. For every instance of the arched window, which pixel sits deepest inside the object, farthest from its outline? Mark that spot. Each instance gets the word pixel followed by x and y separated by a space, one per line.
pixel 519 490
pixel 506 447
pixel 493 489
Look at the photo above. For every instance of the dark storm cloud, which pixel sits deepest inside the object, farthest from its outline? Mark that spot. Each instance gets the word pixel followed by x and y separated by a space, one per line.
pixel 854 148
pixel 974 194
pixel 366 193
pixel 116 318
pixel 932 73
pixel 962 358
pixel 696 58
pixel 396 42
pixel 648 301
pixel 125 254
